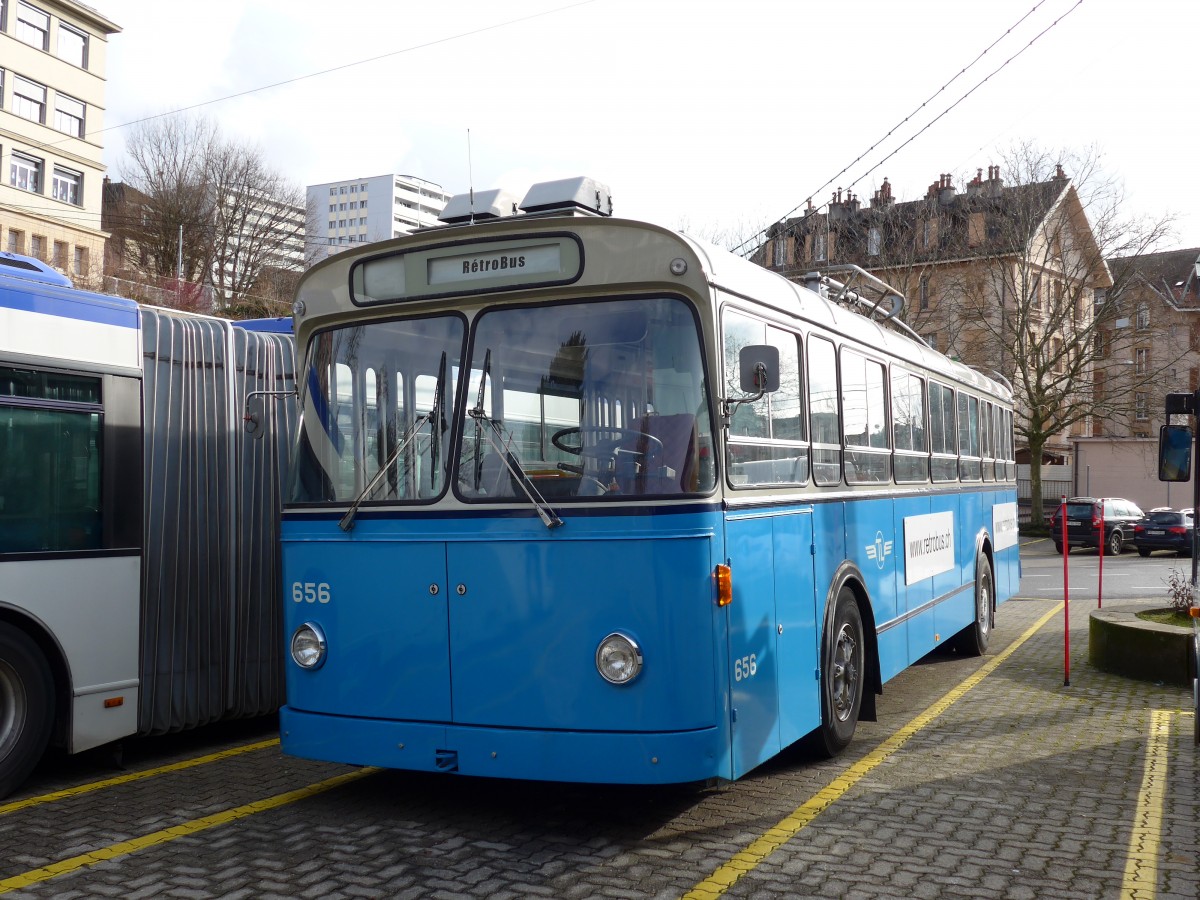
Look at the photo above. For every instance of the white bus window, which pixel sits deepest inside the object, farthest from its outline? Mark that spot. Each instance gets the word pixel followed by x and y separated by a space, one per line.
pixel 50 440
pixel 911 459
pixel 864 420
pixel 767 440
pixel 823 412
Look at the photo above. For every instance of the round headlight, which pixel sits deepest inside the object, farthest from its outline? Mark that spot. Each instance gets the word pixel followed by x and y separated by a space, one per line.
pixel 308 646
pixel 618 659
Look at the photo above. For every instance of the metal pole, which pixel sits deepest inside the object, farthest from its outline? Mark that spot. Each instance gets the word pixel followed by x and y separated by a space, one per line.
pixel 1066 596
pixel 1103 541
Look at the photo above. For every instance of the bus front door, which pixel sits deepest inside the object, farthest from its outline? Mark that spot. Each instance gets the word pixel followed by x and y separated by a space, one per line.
pixel 772 634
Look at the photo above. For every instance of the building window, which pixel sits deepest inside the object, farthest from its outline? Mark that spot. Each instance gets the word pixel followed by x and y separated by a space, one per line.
pixel 81 261
pixel 25 173
pixel 1098 345
pixel 37 246
pixel 874 240
pixel 354 204
pixel 60 255
pixel 72 45
pixel 975 229
pixel 362 222
pixel 1035 292
pixel 1143 317
pixel 68 115
pixel 354 188
pixel 342 189
pixel 341 223
pixel 332 224
pixel 931 340
pixel 779 250
pixel 333 192
pixel 29 100
pixel 1142 360
pixel 1099 297
pixel 820 245
pixel 923 292
pixel 66 186
pixel 16 241
pixel 362 204
pixel 1140 409
pixel 333 207
pixel 33 26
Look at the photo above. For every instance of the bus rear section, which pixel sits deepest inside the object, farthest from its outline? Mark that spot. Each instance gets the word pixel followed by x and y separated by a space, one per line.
pixel 138 523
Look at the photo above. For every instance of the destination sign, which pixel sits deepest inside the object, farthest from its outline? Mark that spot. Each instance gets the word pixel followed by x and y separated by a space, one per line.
pixel 540 260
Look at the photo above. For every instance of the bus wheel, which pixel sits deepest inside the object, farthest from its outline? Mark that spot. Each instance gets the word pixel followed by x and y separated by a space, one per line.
pixel 26 707
pixel 973 640
pixel 843 672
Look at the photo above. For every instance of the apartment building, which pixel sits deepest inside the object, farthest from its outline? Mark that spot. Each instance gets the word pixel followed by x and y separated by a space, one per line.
pixel 52 62
pixel 1158 298
pixel 362 210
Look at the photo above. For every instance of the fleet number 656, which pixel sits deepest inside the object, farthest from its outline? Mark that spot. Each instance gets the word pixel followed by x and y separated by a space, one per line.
pixel 745 667
pixel 310 591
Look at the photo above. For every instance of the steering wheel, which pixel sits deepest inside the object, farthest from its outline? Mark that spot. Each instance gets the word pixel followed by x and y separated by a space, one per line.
pixel 616 437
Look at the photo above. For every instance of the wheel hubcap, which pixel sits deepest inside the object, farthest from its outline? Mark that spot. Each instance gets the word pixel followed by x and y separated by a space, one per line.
pixel 12 708
pixel 845 672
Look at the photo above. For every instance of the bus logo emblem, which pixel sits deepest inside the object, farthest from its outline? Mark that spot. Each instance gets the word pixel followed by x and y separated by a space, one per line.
pixel 880 550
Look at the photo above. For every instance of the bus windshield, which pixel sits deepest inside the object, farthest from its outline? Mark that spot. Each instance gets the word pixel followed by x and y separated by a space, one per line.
pixel 378 402
pixel 586 400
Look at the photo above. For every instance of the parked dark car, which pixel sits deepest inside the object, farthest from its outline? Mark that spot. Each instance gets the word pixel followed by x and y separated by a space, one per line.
pixel 1083 523
pixel 1164 529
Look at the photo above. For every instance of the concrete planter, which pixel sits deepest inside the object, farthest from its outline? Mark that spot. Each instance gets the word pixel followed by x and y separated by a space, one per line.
pixel 1121 643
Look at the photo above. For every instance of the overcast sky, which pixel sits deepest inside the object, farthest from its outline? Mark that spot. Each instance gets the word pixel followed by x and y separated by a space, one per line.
pixel 715 116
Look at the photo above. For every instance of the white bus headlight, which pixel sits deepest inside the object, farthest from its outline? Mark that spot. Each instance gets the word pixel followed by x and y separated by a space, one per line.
pixel 618 659
pixel 308 646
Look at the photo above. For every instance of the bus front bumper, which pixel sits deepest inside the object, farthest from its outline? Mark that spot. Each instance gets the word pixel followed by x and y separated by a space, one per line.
pixel 579 756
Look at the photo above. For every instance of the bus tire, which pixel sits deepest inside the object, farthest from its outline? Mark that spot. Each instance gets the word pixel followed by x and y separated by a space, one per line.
pixel 843 676
pixel 973 640
pixel 26 707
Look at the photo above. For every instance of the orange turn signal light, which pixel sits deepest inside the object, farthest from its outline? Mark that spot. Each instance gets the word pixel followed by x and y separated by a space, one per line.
pixel 724 585
pixel 113 702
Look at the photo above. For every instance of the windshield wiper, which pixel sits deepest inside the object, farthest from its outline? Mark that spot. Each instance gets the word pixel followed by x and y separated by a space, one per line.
pixel 434 415
pixel 491 431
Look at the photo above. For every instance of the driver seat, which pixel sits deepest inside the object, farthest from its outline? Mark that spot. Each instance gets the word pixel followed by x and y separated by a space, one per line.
pixel 673 470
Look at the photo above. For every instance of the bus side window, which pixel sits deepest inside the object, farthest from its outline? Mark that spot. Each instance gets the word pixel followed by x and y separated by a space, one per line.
pixel 864 411
pixel 825 421
pixel 911 462
pixel 767 439
pixel 942 432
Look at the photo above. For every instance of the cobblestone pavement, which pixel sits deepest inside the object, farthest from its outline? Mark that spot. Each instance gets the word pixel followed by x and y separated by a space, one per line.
pixel 1022 788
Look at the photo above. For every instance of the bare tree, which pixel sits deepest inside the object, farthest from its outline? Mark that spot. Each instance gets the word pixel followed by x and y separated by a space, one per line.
pixel 238 217
pixel 1034 296
pixel 167 168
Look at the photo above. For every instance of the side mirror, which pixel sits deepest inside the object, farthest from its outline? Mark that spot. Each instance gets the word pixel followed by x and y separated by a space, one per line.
pixel 759 368
pixel 1175 453
pixel 252 419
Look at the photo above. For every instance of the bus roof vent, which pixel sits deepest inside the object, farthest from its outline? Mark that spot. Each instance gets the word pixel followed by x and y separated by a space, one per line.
pixel 568 197
pixel 494 204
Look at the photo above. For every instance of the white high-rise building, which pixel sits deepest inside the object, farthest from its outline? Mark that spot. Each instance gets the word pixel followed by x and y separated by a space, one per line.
pixel 362 210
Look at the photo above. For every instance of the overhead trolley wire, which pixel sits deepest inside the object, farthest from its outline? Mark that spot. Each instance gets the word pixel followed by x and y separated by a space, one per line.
pixel 898 125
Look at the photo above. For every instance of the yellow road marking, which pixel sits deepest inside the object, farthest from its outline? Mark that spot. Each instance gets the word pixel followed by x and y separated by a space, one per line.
pixel 6 808
pixel 124 848
pixel 1141 865
pixel 773 838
